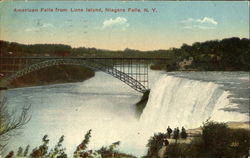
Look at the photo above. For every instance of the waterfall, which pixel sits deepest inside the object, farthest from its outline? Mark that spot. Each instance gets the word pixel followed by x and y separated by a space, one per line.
pixel 72 109
pixel 177 102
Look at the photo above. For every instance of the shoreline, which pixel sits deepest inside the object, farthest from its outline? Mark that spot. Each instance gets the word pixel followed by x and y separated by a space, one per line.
pixel 231 124
pixel 61 74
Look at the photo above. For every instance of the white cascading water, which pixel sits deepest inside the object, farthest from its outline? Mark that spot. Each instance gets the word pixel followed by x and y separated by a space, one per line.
pixel 178 102
pixel 106 106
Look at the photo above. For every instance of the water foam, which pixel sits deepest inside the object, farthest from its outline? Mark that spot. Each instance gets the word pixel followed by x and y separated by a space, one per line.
pixel 177 102
pixel 72 109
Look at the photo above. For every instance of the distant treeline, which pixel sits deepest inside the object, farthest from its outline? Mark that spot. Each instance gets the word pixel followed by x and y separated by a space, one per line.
pixel 16 49
pixel 226 54
pixel 215 55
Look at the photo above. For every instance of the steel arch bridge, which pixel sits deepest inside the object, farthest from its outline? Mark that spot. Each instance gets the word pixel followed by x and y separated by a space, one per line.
pixel 131 71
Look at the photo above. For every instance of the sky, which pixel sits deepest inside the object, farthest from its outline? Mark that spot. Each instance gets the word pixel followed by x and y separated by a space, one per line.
pixel 167 24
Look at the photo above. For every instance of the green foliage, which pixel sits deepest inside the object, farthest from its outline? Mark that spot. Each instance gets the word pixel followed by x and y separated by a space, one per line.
pixel 107 152
pixel 196 147
pixel 26 151
pixel 112 151
pixel 10 155
pixel 221 141
pixel 226 54
pixel 34 49
pixel 216 141
pixel 20 151
pixel 239 143
pixel 155 143
pixel 114 146
pixel 216 138
pixel 58 151
pixel 81 150
pixel 65 50
pixel 42 150
pixel 177 150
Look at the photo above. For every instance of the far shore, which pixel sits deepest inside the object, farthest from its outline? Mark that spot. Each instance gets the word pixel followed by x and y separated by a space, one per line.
pixel 233 125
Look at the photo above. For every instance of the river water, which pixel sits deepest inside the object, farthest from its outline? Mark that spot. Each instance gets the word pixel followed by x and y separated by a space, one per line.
pixel 106 105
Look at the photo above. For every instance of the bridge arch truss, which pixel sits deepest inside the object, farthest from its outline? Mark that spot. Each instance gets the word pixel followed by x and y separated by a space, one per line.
pixel 133 72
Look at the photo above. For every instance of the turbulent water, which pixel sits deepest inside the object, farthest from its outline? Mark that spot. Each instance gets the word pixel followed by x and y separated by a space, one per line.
pixel 182 99
pixel 106 105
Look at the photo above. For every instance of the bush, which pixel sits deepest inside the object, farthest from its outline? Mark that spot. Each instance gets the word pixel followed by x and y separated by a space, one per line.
pixel 81 151
pixel 177 150
pixel 216 141
pixel 42 150
pixel 221 141
pixel 239 143
pixel 155 143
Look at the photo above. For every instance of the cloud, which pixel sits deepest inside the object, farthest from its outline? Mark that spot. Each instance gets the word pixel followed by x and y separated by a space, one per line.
pixel 206 23
pixel 207 20
pixel 199 27
pixel 32 29
pixel 201 21
pixel 46 25
pixel 119 22
pixel 40 27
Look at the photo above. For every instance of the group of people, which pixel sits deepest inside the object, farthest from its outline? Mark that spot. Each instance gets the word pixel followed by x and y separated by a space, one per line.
pixel 176 133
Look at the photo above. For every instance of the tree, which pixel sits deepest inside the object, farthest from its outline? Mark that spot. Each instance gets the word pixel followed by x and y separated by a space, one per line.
pixel 20 151
pixel 216 141
pixel 58 150
pixel 26 151
pixel 42 150
pixel 10 155
pixel 155 143
pixel 114 145
pixel 216 138
pixel 107 152
pixel 10 125
pixel 239 143
pixel 81 150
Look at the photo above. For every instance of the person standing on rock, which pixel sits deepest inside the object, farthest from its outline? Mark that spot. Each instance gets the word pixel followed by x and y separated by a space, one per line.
pixel 183 133
pixel 169 130
pixel 176 133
